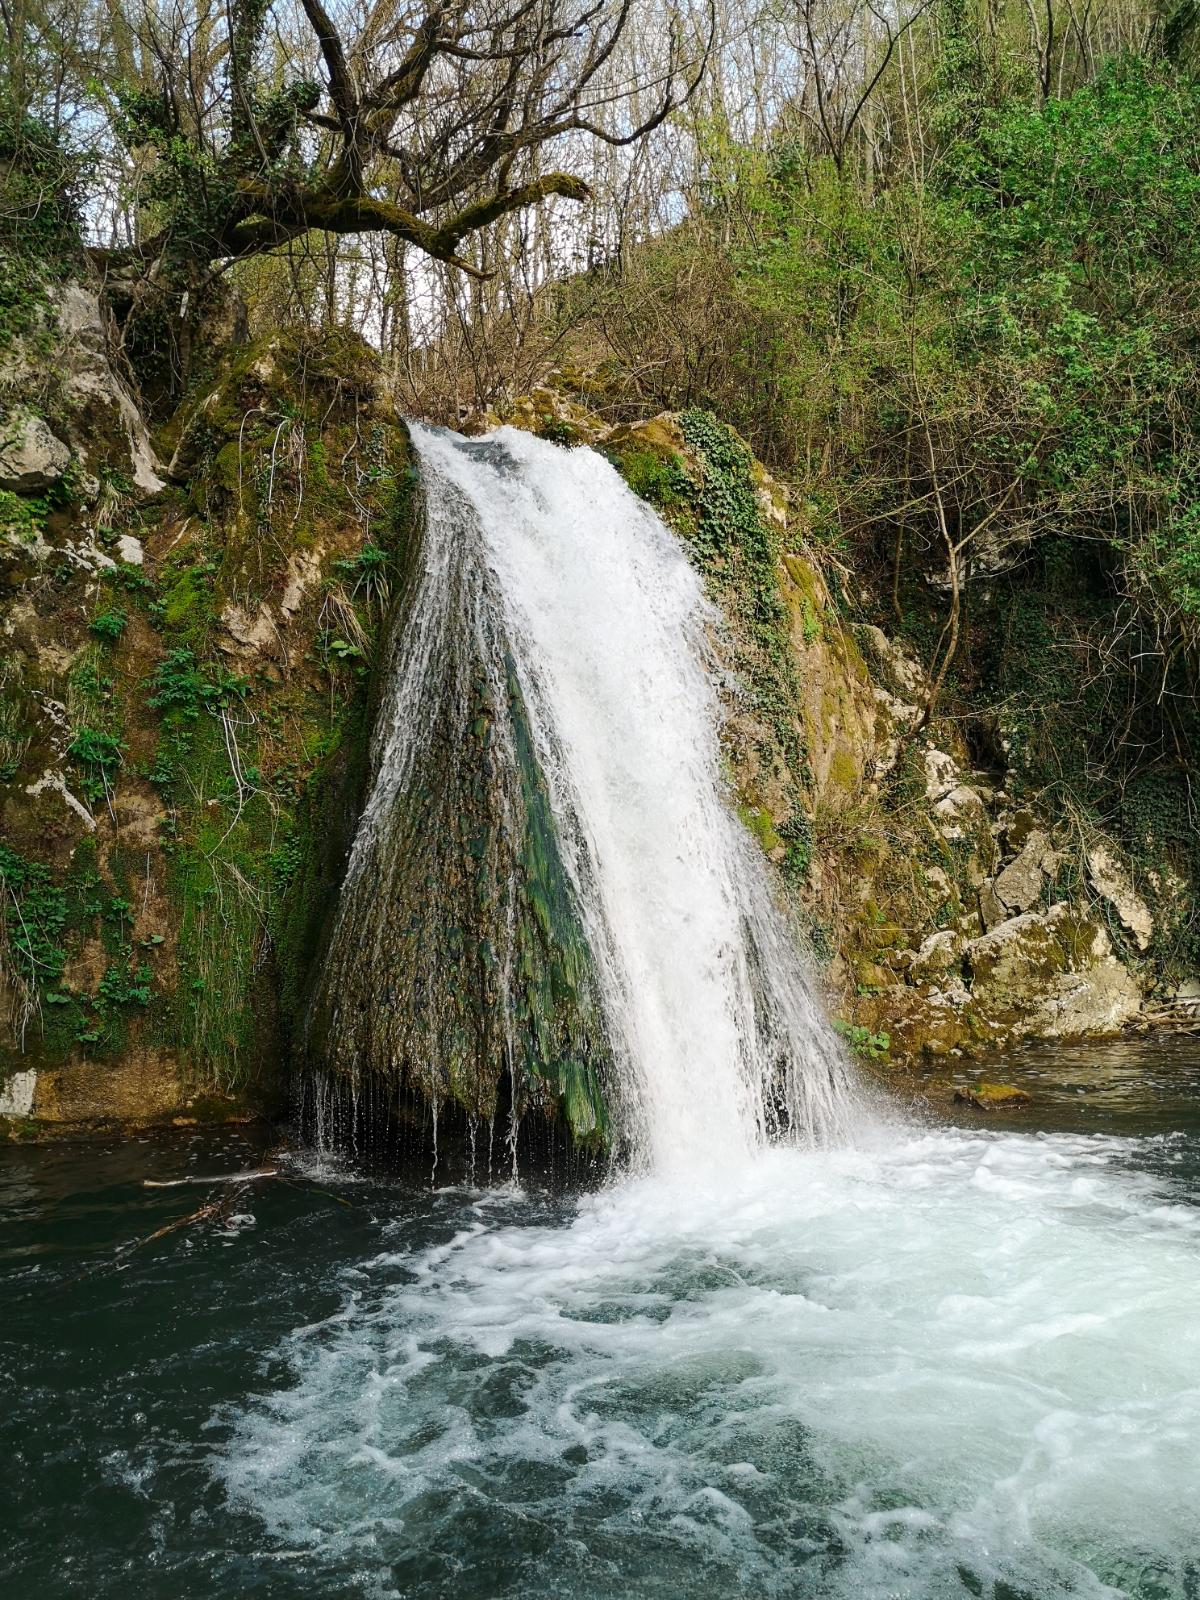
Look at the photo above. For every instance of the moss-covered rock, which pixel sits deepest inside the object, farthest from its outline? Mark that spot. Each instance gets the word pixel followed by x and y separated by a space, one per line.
pixel 188 688
pixel 992 1096
pixel 1052 975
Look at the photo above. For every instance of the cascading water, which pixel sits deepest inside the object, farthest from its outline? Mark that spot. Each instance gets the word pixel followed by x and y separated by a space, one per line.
pixel 922 1365
pixel 555 607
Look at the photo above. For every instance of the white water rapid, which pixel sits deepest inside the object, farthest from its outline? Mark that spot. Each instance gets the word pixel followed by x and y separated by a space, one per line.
pixel 919 1365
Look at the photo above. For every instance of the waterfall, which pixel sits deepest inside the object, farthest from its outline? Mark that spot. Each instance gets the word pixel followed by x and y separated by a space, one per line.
pixel 559 641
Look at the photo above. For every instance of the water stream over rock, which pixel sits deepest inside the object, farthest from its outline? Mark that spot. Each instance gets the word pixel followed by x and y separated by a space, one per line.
pixel 549 880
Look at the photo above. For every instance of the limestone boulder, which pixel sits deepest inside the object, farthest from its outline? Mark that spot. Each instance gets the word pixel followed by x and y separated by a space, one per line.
pixel 1051 975
pixel 1019 886
pixel 32 457
pixel 72 376
pixel 938 955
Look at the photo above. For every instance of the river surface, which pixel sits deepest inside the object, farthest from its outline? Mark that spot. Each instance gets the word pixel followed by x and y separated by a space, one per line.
pixel 954 1360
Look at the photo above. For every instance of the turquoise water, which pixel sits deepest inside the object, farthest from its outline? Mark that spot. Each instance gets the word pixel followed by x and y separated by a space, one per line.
pixel 952 1361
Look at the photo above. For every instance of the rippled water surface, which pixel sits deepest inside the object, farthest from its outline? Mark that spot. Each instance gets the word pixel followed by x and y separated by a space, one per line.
pixel 952 1361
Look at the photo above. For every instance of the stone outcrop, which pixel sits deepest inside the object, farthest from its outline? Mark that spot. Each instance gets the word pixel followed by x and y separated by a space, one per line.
pixel 184 682
pixel 1112 883
pixel 69 404
pixel 32 459
pixel 1051 975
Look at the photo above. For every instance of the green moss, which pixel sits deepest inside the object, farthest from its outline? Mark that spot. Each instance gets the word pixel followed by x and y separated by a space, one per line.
pixel 556 1009
pixel 810 627
pixel 22 516
pixel 308 858
pixel 759 822
pixel 843 771
pixel 988 1096
pixel 662 480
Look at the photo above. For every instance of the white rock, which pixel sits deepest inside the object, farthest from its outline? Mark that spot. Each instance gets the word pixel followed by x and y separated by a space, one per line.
pixel 31 457
pixel 939 954
pixel 304 569
pixel 907 675
pixel 16 1094
pixel 960 814
pixel 941 774
pixel 88 376
pixel 1019 886
pixel 1113 883
pixel 250 631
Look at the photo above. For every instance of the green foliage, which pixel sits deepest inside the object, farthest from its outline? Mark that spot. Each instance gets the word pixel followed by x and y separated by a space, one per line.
pixel 366 573
pixel 738 549
pixel 662 481
pixel 14 735
pixel 35 914
pixel 22 516
pixel 869 1046
pixel 109 625
pixel 180 685
pixel 99 755
pixel 39 239
pixel 339 649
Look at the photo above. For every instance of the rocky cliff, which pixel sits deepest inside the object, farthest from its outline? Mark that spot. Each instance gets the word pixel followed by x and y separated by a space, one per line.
pixel 192 626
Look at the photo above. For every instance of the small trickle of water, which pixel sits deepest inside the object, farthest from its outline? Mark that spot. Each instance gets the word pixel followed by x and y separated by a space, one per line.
pixel 719 1039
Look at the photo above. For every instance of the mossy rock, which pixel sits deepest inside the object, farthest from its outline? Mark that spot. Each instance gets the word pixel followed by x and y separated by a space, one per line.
pixel 992 1096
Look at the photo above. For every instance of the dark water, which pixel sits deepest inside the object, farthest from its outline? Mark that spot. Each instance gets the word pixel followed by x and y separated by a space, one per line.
pixel 954 1362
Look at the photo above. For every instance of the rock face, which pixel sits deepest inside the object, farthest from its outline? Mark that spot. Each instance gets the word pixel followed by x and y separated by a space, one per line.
pixel 31 458
pixel 73 403
pixel 1112 883
pixel 1053 975
pixel 1019 886
pixel 94 392
pixel 185 686
pixel 185 682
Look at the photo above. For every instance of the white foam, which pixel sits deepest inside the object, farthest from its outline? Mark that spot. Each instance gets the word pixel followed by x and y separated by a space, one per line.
pixel 848 1373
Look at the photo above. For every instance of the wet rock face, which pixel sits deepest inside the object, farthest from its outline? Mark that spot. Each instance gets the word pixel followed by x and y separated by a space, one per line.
pixel 457 970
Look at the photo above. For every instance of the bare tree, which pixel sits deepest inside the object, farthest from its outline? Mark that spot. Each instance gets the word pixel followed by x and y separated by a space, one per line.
pixel 419 120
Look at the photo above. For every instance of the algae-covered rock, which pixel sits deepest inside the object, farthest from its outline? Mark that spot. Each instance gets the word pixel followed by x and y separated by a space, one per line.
pixel 992 1096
